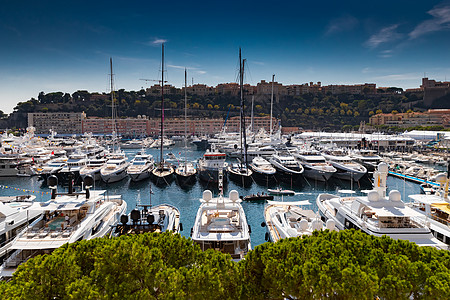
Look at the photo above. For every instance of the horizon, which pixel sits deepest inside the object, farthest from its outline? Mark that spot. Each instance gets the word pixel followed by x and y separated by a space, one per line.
pixel 51 47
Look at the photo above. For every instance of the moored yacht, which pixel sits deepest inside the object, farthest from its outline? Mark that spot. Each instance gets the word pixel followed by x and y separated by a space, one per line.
pixel 74 164
pixel 263 171
pixel 52 167
pixel 346 168
pixel 314 165
pixel 115 170
pixel 376 214
pixel 65 218
pixel 93 167
pixel 288 168
pixel 209 165
pixel 221 224
pixel 141 166
pixel 185 173
pixel 15 215
pixel 291 219
pixel 368 158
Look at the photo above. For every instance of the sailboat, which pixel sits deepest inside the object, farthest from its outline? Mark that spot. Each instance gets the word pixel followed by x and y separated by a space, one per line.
pixel 240 172
pixel 163 173
pixel 185 172
pixel 117 164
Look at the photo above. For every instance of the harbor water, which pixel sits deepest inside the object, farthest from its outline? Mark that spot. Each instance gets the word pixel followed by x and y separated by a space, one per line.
pixel 186 199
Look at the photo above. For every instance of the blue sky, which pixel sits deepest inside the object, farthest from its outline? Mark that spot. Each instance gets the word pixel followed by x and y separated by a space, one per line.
pixel 59 46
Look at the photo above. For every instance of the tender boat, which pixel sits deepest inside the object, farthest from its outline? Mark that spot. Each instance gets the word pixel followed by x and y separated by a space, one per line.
pixel 141 166
pixel 65 218
pixel 280 191
pixel 376 214
pixel 290 219
pixel 221 224
pixel 257 197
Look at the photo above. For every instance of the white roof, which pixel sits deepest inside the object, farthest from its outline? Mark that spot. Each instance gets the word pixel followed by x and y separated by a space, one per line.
pixel 299 203
pixel 395 211
pixel 427 199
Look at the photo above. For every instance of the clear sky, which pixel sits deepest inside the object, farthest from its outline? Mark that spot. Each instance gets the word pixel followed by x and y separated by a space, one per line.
pixel 65 45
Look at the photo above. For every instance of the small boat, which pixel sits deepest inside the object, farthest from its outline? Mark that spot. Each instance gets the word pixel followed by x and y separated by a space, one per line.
pixel 257 197
pixel 279 191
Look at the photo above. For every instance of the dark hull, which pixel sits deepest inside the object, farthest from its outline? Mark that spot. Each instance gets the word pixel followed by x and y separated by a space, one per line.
pixel 288 177
pixel 209 175
pixel 240 179
pixel 162 180
pixel 186 180
pixel 262 178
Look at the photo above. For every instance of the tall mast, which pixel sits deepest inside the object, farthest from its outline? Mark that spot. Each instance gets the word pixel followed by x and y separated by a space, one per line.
pixel 241 91
pixel 185 119
pixel 162 105
pixel 271 105
pixel 113 109
pixel 241 86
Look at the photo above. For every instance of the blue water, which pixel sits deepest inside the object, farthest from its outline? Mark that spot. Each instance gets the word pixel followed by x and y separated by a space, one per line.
pixel 187 199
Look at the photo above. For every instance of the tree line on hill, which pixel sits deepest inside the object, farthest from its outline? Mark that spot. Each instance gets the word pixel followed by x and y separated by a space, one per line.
pixel 309 111
pixel 339 265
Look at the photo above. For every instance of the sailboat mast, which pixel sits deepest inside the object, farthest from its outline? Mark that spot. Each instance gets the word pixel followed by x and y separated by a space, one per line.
pixel 185 119
pixel 113 110
pixel 162 104
pixel 241 90
pixel 243 116
pixel 271 105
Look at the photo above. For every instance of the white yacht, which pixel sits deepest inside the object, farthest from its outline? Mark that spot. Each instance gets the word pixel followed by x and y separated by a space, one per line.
pixel 141 166
pixel 52 167
pixel 368 158
pixel 378 215
pixel 435 209
pixel 66 218
pixel 314 165
pixel 93 167
pixel 288 168
pixel 185 173
pixel 209 165
pixel 346 168
pixel 74 164
pixel 263 171
pixel 221 224
pixel 115 170
pixel 291 219
pixel 15 215
pixel 149 218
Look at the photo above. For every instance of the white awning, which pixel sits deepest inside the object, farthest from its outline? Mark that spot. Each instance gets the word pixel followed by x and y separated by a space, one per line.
pixel 393 211
pixel 299 203
pixel 428 199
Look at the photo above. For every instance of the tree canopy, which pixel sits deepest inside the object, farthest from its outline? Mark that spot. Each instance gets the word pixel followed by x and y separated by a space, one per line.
pixel 340 265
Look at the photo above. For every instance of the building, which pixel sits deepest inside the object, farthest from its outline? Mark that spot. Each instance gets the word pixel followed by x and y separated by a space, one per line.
pixel 432 117
pixel 125 127
pixel 61 122
pixel 434 90
pixel 357 89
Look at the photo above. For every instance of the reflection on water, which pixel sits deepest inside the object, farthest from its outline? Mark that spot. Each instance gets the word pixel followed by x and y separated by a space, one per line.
pixel 186 198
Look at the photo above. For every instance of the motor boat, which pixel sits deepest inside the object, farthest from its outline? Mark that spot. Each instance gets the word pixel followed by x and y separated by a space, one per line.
pixel 377 214
pixel 346 168
pixel 221 224
pixel 115 170
pixel 209 165
pixel 434 209
pixel 141 166
pixel 240 174
pixel 288 168
pixel 186 173
pixel 280 192
pixel 292 219
pixel 314 165
pixel 263 171
pixel 149 218
pixel 15 215
pixel 368 158
pixel 94 167
pixel 65 218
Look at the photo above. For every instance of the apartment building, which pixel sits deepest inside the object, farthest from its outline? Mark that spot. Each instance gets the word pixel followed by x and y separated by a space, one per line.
pixel 429 118
pixel 129 126
pixel 61 122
